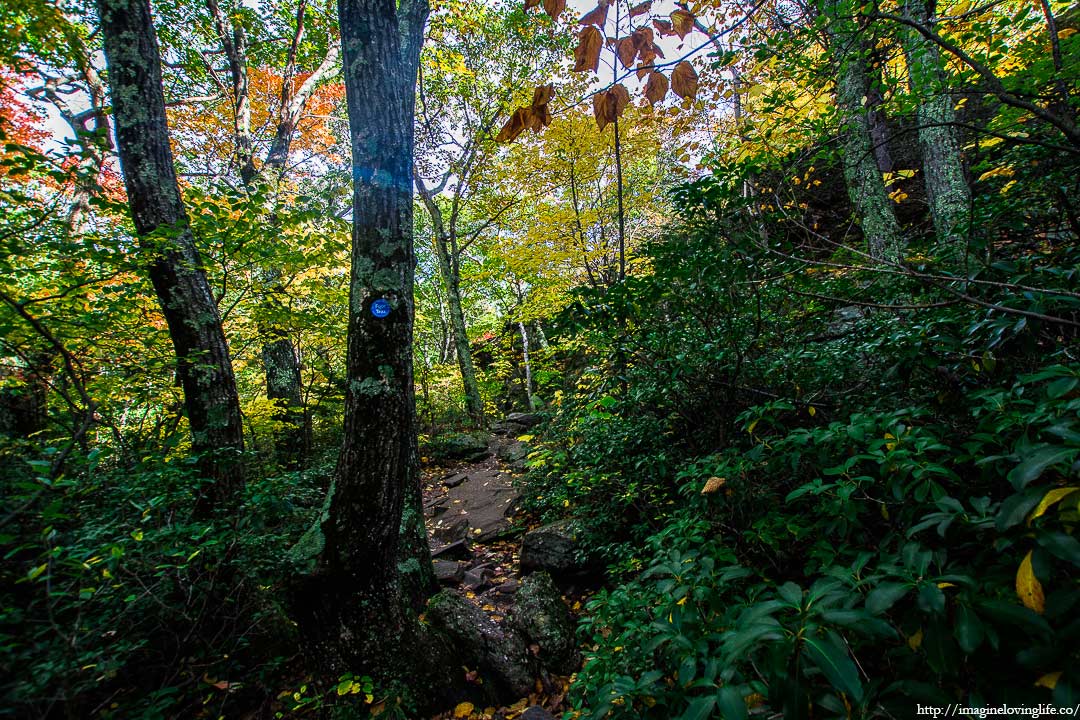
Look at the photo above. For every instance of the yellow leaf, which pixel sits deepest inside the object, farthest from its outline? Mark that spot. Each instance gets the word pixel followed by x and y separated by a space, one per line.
pixel 1049 499
pixel 914 641
pixel 944 585
pixel 751 426
pixel 463 710
pixel 1066 33
pixel 712 485
pixel 1028 587
pixel 683 601
pixel 812 410
pixel 1049 680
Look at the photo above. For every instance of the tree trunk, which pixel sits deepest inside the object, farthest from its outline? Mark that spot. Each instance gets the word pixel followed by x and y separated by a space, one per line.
pixel 943 171
pixel 474 404
pixel 203 364
pixel 353 610
pixel 866 189
pixel 528 366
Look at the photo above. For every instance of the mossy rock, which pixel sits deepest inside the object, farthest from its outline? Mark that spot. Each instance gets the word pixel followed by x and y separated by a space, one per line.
pixel 458 446
pixel 542 618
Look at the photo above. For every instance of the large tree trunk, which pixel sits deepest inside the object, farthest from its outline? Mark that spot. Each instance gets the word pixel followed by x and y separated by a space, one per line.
pixel 203 364
pixel 474 404
pixel 354 610
pixel 943 171
pixel 865 186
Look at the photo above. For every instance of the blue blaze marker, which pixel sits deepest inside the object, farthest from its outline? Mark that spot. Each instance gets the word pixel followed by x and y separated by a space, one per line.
pixel 380 308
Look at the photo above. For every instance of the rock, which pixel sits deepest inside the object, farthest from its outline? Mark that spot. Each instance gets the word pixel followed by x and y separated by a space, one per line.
pixel 536 713
pixel 458 550
pixel 449 572
pixel 454 480
pixel 508 588
pixel 500 653
pixel 542 618
pixel 437 507
pixel 477 579
pixel 553 548
pixel 514 454
pixel 526 420
pixel 460 446
pixel 451 530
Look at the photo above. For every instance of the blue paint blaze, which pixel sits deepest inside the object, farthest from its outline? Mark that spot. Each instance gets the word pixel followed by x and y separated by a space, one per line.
pixel 380 308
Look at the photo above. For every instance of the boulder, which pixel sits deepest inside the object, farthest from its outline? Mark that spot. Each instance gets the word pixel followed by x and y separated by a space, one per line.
pixel 460 446
pixel 515 424
pixel 449 572
pixel 536 713
pixel 454 480
pixel 477 579
pixel 555 549
pixel 458 550
pixel 542 618
pixel 450 530
pixel 514 454
pixel 502 656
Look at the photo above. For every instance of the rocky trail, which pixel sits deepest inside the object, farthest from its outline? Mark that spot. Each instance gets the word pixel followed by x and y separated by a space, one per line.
pixel 481 542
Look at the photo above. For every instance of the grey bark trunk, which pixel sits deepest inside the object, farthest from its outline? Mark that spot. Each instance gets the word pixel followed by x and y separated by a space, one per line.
pixel 943 170
pixel 528 366
pixel 474 404
pixel 866 189
pixel 203 364
pixel 353 609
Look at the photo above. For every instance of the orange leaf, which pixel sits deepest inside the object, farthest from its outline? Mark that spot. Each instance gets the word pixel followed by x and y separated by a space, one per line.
pixel 656 88
pixel 627 51
pixel 554 8
pixel 640 8
pixel 684 80
pixel 597 16
pixel 682 22
pixel 587 53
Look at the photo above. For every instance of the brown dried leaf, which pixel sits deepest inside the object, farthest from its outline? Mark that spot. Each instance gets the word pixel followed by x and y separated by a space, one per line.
pixel 622 98
pixel 643 69
pixel 682 22
pixel 554 8
pixel 603 109
pixel 597 16
pixel 627 51
pixel 684 80
pixel 640 8
pixel 656 88
pixel 543 95
pixel 663 27
pixel 514 126
pixel 643 38
pixel 530 4
pixel 587 53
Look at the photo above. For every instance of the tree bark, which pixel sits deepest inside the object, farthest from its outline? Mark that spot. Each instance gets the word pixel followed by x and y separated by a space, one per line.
pixel 353 609
pixel 865 186
pixel 203 364
pixel 943 170
pixel 474 404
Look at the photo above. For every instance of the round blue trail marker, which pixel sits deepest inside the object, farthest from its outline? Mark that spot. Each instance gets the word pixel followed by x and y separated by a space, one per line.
pixel 381 308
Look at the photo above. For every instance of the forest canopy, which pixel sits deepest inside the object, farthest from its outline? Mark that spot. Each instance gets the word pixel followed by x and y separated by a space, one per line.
pixel 528 359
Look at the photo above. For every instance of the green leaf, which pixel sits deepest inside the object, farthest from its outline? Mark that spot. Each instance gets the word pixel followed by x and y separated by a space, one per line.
pixel 968 630
pixel 931 598
pixel 884 596
pixel 1017 506
pixel 1035 464
pixel 731 704
pixel 700 708
pixel 1061 387
pixel 1062 545
pixel 834 662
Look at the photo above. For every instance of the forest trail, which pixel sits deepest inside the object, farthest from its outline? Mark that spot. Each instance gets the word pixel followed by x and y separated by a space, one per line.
pixel 473 525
